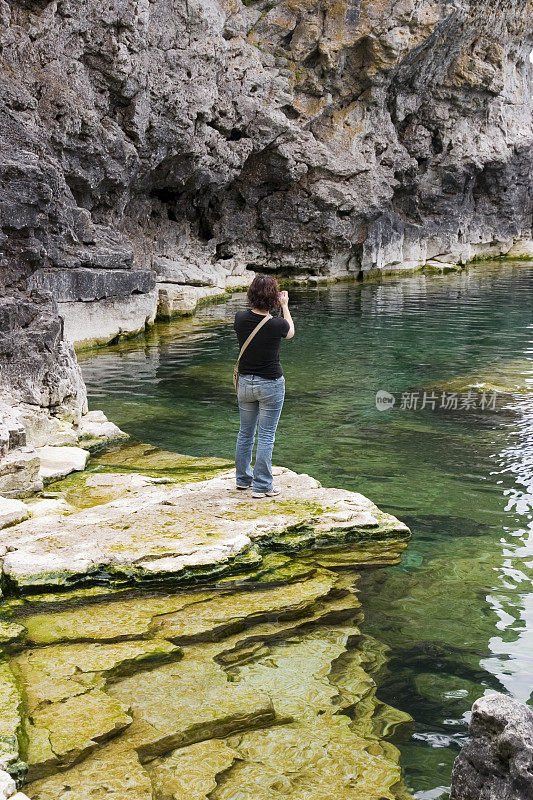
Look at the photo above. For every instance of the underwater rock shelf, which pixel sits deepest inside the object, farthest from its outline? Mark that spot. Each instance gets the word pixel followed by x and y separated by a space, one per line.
pixel 166 636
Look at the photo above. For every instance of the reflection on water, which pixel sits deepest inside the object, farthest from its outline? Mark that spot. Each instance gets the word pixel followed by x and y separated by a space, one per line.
pixel 456 616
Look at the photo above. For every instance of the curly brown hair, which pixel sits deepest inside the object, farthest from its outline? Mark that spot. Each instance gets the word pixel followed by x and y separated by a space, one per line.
pixel 263 293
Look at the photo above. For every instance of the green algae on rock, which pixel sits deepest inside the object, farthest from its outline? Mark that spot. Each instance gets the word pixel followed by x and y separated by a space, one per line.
pixel 55 673
pixel 506 377
pixel 10 632
pixel 114 770
pixel 63 733
pixel 316 754
pixel 192 531
pixel 191 771
pixel 10 722
pixel 227 716
pixel 233 667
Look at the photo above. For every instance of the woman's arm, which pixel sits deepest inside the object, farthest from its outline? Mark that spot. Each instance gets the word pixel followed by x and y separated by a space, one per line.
pixel 284 303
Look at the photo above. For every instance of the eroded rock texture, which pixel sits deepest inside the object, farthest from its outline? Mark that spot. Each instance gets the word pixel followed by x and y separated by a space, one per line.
pixel 154 153
pixel 196 138
pixel 237 670
pixel 497 763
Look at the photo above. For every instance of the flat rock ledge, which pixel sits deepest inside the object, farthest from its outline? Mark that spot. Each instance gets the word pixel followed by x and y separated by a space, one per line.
pixel 164 635
pixel 497 762
pixel 153 529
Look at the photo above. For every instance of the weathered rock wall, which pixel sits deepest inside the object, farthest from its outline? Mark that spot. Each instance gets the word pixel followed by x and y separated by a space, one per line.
pixel 197 138
pixel 43 400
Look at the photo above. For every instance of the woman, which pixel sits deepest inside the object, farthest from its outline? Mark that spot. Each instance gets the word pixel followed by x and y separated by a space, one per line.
pixel 261 383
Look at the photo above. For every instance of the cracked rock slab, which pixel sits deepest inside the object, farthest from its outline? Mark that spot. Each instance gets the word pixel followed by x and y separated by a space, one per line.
pixel 115 766
pixel 53 674
pixel 180 704
pixel 60 734
pixel 199 529
pixel 191 771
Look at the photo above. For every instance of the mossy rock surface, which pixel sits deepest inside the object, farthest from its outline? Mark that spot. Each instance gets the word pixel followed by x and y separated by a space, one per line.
pixel 173 638
pixel 52 674
pixel 271 692
pixel 62 733
pixel 114 771
pixel 200 530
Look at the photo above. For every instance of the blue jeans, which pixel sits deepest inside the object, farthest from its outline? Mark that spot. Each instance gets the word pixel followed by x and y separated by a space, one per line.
pixel 260 404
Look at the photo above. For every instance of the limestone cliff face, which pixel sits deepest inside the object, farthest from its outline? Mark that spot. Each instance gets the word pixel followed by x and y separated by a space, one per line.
pixel 198 138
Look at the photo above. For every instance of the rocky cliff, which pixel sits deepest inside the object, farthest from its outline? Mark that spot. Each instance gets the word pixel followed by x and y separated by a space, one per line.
pixel 192 139
pixel 157 152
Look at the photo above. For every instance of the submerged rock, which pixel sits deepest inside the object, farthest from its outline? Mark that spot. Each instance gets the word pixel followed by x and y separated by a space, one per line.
pixel 62 733
pixel 114 771
pixel 497 762
pixel 249 680
pixel 293 710
pixel 53 674
pixel 10 722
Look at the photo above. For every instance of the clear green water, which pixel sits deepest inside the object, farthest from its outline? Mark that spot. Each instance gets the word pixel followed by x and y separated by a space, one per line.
pixel 457 613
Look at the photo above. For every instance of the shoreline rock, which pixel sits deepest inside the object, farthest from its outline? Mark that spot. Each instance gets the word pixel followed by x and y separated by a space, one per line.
pixel 169 626
pixel 149 531
pixel 497 762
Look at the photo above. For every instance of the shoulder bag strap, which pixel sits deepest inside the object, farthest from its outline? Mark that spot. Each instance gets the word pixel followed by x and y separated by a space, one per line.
pixel 251 336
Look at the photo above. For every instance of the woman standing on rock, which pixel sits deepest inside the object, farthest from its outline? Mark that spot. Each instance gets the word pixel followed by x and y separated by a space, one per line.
pixel 260 384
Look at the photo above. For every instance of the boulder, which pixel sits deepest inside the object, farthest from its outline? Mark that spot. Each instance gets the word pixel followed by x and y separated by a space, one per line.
pixel 497 762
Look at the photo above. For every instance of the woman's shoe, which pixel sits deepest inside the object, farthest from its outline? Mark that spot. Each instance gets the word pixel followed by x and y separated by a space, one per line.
pixel 242 488
pixel 272 493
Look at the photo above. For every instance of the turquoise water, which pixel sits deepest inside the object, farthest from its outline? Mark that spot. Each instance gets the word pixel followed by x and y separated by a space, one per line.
pixel 457 613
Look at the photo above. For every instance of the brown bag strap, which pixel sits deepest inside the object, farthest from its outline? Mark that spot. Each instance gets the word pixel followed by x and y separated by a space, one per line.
pixel 251 336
